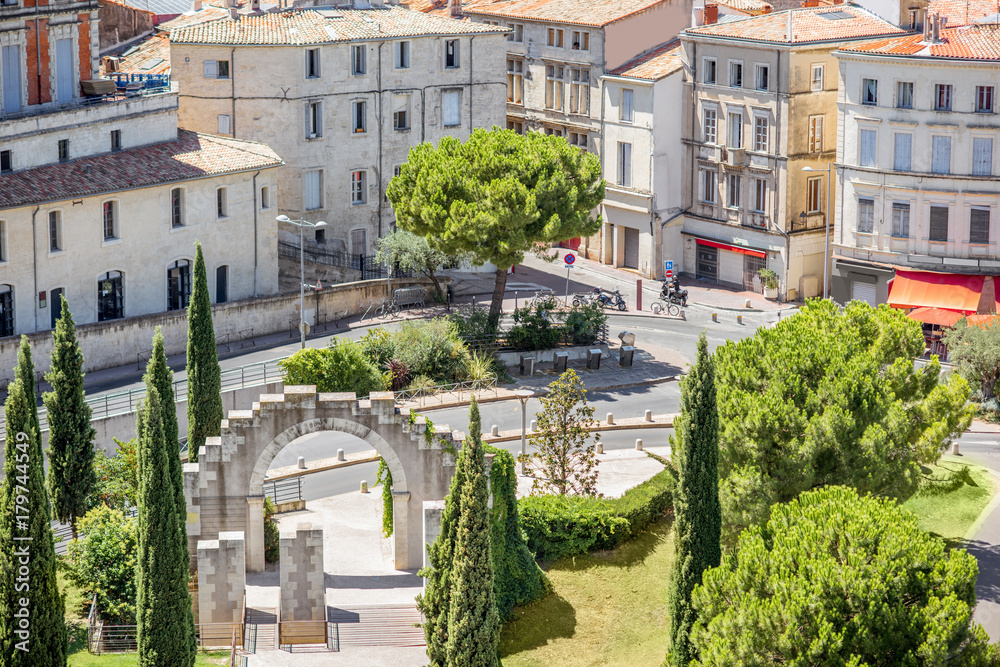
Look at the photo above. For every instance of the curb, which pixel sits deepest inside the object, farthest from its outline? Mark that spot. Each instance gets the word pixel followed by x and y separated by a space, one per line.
pixel 324 468
pixel 511 436
pixel 989 509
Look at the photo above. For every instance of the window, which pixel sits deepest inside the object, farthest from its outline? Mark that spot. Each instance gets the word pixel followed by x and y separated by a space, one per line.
pixel 710 71
pixel 733 191
pixel 554 131
pixel 866 216
pixel 759 195
pixel 6 310
pixel 816 84
pixel 220 203
pixel 178 285
pixel 63 150
pixel 709 185
pixel 358 189
pixel 902 144
pixel 222 283
pixel 359 241
pixel 735 130
pixel 314 120
pixel 867 153
pixel 624 164
pixel 814 196
pixel 55 231
pixel 116 140
pixel 402 55
pixel 358 59
pixel 400 112
pixel 517 126
pixel 6 161
pixel 736 74
pixel 627 112
pixel 110 218
pixel 554 87
pixel 451 53
pixel 982 156
pixel 3 241
pixel 312 63
pixel 516 33
pixel 913 19
pixel 10 69
pixel 979 225
pixel 942 97
pixel 815 134
pixel 869 92
pixel 313 182
pixel 515 81
pixel 941 155
pixel 939 224
pixel 555 37
pixel 110 296
pixel 319 236
pixel 216 69
pixel 901 220
pixel 579 91
pixel 760 128
pixel 581 41
pixel 904 95
pixel 761 76
pixel 578 139
pixel 176 208
pixel 452 102
pixel 223 120
pixel 265 197
pixel 984 99
pixel 709 121
pixel 359 116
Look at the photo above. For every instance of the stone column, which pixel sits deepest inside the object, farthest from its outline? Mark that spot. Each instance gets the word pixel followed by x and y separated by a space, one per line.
pixel 433 510
pixel 303 591
pixel 221 588
pixel 255 534
pixel 401 520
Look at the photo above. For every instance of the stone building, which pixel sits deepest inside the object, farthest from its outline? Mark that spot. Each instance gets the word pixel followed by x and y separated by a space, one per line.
pixel 341 95
pixel 760 133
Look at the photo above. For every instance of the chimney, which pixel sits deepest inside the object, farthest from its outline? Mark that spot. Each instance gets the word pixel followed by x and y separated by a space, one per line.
pixel 936 29
pixel 255 5
pixel 197 5
pixel 810 3
pixel 710 14
pixel 234 13
pixel 455 7
pixel 767 9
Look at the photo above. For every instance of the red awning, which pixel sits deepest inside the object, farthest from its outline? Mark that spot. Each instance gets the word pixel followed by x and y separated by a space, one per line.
pixel 916 289
pixel 732 248
pixel 941 316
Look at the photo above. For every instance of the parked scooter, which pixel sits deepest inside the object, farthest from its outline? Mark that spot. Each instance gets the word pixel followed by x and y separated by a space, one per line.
pixel 610 299
pixel 672 292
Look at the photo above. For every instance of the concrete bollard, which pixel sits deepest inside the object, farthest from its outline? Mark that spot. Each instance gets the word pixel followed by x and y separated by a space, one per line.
pixel 954 448
pixel 600 447
pixel 340 455
pixel 302 463
pixel 495 430
pixel 648 416
pixel 739 319
pixel 610 419
pixel 715 317
pixel 638 444
pixel 534 425
pixel 364 486
pixel 747 304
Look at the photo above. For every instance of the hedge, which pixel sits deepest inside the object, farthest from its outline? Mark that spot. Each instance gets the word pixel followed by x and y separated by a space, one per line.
pixel 560 526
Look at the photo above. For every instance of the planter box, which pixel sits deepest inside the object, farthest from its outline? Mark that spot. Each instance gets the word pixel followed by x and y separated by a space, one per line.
pixel 576 353
pixel 771 293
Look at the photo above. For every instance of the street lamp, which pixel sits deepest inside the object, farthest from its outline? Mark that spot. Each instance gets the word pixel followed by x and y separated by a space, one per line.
pixel 826 226
pixel 523 395
pixel 301 224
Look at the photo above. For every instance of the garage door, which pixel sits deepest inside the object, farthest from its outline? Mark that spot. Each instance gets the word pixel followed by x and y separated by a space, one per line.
pixel 631 248
pixel 863 292
pixel 708 263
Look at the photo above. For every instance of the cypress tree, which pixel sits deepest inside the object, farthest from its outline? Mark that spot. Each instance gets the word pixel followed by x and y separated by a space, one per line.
pixel 698 523
pixel 473 622
pixel 163 604
pixel 72 478
pixel 26 371
pixel 203 375
pixel 32 612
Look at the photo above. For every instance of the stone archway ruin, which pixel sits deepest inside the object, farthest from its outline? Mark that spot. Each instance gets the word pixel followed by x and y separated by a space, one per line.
pixel 224 490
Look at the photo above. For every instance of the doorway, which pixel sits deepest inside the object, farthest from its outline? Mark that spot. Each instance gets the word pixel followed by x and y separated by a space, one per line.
pixel 631 248
pixel 55 299
pixel 708 263
pixel 751 265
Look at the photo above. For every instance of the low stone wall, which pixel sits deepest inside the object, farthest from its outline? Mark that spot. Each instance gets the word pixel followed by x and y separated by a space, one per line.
pixel 576 353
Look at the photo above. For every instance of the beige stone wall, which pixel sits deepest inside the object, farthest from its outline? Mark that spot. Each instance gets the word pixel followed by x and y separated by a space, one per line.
pixel 631 36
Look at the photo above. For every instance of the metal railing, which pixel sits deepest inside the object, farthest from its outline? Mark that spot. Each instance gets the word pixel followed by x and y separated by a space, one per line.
pixel 367 264
pixel 284 490
pixel 439 392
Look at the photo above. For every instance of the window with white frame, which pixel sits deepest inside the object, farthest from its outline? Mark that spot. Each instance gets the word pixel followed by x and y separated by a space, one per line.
pixel 709 185
pixel 816 134
pixel 358 59
pixel 762 75
pixel 359 116
pixel 216 69
pixel 902 151
pixel 736 73
pixel 984 99
pixel 816 81
pixel 982 156
pixel 359 191
pixel 979 225
pixel 452 102
pixel 901 220
pixel 904 95
pixel 627 112
pixel 709 73
pixel 314 120
pixel 555 37
pixel 176 207
pixel 709 124
pixel 451 60
pixel 55 231
pixel 866 215
pixel 733 183
pixel 313 189
pixel 400 112
pixel 941 154
pixel 223 122
pixel 179 285
pixel 579 91
pixel 938 224
pixel 624 164
pixel 867 145
pixel 814 196
pixel 581 40
pixel 515 81
pixel 869 92
pixel 221 203
pixel 735 130
pixel 109 214
pixel 760 131
pixel 554 87
pixel 402 55
pixel 942 97
pixel 312 63
pixel 759 195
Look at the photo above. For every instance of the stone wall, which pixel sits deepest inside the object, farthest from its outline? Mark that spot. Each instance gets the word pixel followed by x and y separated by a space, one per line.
pixel 121 23
pixel 221 588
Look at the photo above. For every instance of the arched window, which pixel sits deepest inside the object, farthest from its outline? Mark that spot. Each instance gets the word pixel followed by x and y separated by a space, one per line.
pixel 6 310
pixel 111 296
pixel 178 284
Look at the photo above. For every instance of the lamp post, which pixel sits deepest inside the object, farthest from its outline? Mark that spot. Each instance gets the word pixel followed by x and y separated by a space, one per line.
pixel 523 395
pixel 301 224
pixel 826 226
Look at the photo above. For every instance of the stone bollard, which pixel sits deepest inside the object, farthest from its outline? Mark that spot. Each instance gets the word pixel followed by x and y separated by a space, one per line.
pixel 302 463
pixel 638 444
pixel 340 455
pixel 715 317
pixel 495 430
pixel 747 304
pixel 534 426
pixel 739 319
pixel 610 419
pixel 954 448
pixel 364 486
pixel 648 416
pixel 600 447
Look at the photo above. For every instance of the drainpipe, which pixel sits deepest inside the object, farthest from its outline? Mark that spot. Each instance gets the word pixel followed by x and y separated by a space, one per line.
pixel 232 84
pixel 34 262
pixel 470 84
pixel 380 117
pixel 38 75
pixel 255 233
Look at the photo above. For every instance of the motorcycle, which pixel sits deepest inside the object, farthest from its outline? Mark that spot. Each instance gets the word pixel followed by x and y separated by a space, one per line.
pixel 671 292
pixel 613 299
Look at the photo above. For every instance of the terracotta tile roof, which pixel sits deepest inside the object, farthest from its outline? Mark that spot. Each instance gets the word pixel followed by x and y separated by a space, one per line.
pixel 578 12
pixel 653 65
pixel 207 13
pixel 962 12
pixel 971 42
pixel 193 155
pixel 149 56
pixel 749 6
pixel 321 26
pixel 815 24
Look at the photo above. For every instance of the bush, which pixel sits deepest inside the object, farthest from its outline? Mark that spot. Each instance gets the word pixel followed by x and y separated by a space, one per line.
pixel 117 477
pixel 397 375
pixel 432 348
pixel 474 323
pixel 560 526
pixel 585 323
pixel 533 328
pixel 272 537
pixel 102 562
pixel 377 346
pixel 341 366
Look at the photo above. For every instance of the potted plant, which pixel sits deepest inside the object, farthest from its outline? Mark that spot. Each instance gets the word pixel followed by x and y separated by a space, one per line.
pixel 769 281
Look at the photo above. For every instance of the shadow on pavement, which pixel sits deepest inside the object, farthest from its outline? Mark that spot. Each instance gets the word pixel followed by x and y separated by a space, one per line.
pixel 374 582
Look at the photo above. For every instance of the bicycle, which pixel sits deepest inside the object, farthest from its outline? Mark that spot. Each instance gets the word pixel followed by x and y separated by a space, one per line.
pixel 542 298
pixel 388 307
pixel 659 306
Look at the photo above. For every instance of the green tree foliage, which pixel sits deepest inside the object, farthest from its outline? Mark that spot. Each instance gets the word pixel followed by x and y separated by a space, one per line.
pixel 473 622
pixel 102 562
pixel 497 196
pixel 26 371
pixel 564 458
pixel 378 346
pixel 71 438
pixel 432 348
pixel 842 580
pixel 117 477
pixel 204 378
pixel 159 375
pixel 410 252
pixel 32 611
pixel 340 366
pixel 698 526
pixel 385 479
pixel 272 536
pixel 975 351
pixel 165 629
pixel 829 397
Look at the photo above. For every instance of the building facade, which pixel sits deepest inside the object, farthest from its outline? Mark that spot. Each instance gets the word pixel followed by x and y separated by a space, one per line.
pixel 342 95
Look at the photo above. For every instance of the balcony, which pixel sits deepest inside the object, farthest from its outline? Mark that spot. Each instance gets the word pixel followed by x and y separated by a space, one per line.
pixel 755 220
pixel 735 157
pixel 148 96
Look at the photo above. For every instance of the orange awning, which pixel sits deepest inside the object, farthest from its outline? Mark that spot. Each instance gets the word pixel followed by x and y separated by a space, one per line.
pixel 945 318
pixel 950 291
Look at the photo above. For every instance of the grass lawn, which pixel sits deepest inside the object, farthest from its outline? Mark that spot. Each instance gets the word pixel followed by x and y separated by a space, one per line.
pixel 607 608
pixel 949 510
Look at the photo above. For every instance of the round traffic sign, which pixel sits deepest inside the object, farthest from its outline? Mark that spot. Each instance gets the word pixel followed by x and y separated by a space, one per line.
pixel 569 258
pixel 669 274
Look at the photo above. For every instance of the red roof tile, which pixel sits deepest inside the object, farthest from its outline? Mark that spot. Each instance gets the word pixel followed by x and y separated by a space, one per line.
pixel 814 24
pixel 749 6
pixel 149 56
pixel 206 13
pixel 579 12
pixel 193 155
pixel 971 42
pixel 653 65
pixel 962 12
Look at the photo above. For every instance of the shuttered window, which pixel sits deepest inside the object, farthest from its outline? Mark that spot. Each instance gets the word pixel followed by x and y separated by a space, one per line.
pixel 866 216
pixel 979 225
pixel 868 144
pixel 941 155
pixel 982 156
pixel 314 189
pixel 901 151
pixel 939 223
pixel 901 220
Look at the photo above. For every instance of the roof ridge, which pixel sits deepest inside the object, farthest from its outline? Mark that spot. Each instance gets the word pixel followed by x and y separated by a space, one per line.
pixel 233 142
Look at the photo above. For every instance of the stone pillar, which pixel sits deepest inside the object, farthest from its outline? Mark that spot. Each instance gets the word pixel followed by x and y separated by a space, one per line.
pixel 433 509
pixel 400 531
pixel 303 592
pixel 221 586
pixel 255 534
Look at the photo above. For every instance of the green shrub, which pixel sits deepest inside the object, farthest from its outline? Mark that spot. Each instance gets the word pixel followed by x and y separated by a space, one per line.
pixel 341 366
pixel 474 323
pixel 377 346
pixel 584 323
pixel 533 328
pixel 432 348
pixel 102 562
pixel 272 537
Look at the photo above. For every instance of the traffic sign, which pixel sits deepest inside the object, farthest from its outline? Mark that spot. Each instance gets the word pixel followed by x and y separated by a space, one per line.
pixel 668 265
pixel 668 273
pixel 569 258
